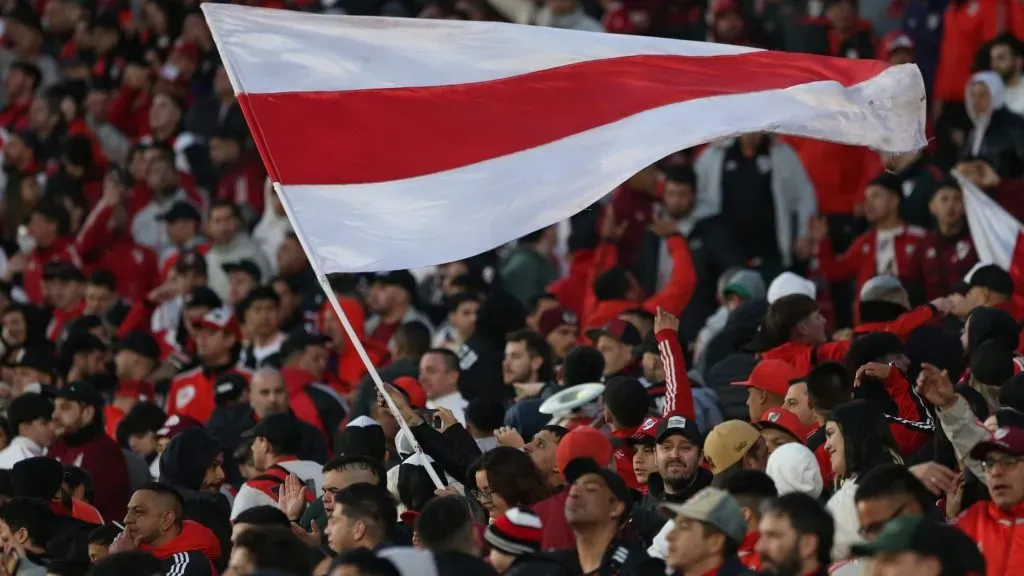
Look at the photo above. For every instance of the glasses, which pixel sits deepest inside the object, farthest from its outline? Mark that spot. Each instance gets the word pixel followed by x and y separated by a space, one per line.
pixel 875 527
pixel 485 495
pixel 1006 461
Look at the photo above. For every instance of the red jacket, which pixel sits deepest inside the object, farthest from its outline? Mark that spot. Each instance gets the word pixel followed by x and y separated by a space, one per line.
pixel 60 318
pixel 129 112
pixel 193 538
pixel 624 457
pixel 836 170
pixel 999 534
pixel 14 113
pixel 672 298
pixel 62 250
pixel 912 425
pixel 571 289
pixel 557 533
pixel 634 207
pixel 678 392
pixel 93 451
pixel 297 380
pixel 859 262
pixel 939 262
pixel 747 552
pixel 192 393
pixel 133 265
pixel 805 356
pixel 966 27
pixel 243 184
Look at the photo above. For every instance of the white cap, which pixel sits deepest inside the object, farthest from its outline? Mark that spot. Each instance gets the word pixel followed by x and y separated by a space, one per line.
pixel 788 283
pixel 879 288
pixel 794 468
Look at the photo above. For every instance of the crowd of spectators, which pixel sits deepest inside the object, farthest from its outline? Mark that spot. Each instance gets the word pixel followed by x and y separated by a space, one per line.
pixel 766 354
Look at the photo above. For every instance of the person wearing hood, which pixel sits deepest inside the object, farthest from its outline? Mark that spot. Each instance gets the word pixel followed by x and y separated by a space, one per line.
pixel 156 524
pixel 229 243
pixel 82 441
pixel 713 248
pixel 731 357
pixel 735 287
pixel 193 464
pixel 997 135
pixel 273 226
pixel 794 468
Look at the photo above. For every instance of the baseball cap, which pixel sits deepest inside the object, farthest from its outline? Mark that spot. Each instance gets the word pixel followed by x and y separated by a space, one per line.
pixel 619 330
pixel 412 390
pixel 896 40
pixel 675 424
pixel 581 467
pixel 745 283
pixel 646 433
pixel 220 319
pixel 784 420
pixel 727 443
pixel 552 318
pixel 81 392
pixel 247 266
pixel 202 297
pixel 956 551
pixel 583 442
pixel 401 278
pixel 33 358
pixel 716 507
pixel 298 340
pixel 281 430
pixel 1006 439
pixel 229 387
pixel 992 277
pixel 191 262
pixel 141 343
pixel 771 376
pixel 175 424
pixel 180 211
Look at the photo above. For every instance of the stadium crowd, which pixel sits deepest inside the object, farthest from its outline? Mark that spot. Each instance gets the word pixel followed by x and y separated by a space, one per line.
pixel 765 355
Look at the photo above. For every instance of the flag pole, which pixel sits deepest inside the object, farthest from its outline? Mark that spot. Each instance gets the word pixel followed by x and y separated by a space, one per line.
pixel 325 285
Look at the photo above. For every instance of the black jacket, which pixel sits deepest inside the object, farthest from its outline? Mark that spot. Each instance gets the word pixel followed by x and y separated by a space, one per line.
pixel 538 565
pixel 188 564
pixel 367 395
pixel 1002 146
pixel 714 249
pixel 621 558
pixel 228 423
pixel 183 465
pixel 451 563
pixel 647 517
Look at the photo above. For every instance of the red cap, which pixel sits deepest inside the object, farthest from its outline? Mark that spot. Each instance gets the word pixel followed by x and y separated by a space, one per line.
pixel 782 419
pixel 221 319
pixel 552 318
pixel 1006 439
pixel 409 517
pixel 583 442
pixel 771 376
pixel 647 433
pixel 137 389
pixel 413 390
pixel 896 40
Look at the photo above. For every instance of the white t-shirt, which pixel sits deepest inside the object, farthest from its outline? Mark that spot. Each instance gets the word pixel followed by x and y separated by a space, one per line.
pixel 454 402
pixel 19 449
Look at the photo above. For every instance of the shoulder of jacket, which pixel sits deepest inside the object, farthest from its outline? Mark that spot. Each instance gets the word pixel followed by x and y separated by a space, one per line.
pixel 916 231
pixel 188 374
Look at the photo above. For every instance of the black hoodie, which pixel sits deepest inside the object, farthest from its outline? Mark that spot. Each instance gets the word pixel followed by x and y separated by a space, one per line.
pixel 731 358
pixel 183 465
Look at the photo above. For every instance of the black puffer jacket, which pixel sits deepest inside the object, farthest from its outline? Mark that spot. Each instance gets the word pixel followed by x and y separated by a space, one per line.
pixel 740 329
pixel 646 516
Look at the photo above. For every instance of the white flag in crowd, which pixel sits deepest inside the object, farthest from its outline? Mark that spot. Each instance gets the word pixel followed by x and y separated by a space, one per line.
pixel 401 143
pixel 997 235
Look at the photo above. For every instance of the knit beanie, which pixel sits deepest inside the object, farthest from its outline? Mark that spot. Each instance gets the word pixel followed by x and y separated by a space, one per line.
pixel 794 468
pixel 518 531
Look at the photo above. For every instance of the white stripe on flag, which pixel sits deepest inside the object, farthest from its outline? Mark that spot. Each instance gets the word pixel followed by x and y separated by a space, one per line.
pixel 993 229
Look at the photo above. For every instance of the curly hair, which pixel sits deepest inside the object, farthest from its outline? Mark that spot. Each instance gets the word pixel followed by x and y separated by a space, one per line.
pixel 512 475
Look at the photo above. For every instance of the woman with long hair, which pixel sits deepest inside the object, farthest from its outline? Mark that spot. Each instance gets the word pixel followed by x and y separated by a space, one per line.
pixel 506 478
pixel 857 439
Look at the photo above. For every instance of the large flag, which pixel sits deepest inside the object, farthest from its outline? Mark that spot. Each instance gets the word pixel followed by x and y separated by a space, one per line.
pixel 998 236
pixel 401 143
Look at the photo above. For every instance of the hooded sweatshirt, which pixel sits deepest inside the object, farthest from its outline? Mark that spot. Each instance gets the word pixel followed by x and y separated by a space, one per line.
pixel 998 135
pixel 981 123
pixel 93 451
pixel 183 465
pixel 794 468
pixel 191 553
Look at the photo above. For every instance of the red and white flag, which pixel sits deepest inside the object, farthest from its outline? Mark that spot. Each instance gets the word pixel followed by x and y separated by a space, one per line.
pixel 401 143
pixel 998 237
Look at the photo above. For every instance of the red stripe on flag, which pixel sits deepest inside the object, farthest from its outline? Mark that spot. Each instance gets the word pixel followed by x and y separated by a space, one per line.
pixel 365 136
pixel 1017 274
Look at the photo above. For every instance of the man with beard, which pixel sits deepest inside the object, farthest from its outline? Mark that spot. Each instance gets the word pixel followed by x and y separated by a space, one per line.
pixel 1006 59
pixel 796 536
pixel 679 474
pixel 527 365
